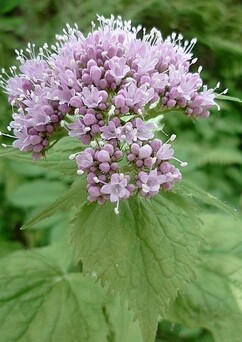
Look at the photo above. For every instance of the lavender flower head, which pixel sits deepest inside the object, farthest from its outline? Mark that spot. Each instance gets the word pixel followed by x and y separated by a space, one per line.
pixel 102 89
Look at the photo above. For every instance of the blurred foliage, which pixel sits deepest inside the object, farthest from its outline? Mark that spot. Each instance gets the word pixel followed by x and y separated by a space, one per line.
pixel 211 147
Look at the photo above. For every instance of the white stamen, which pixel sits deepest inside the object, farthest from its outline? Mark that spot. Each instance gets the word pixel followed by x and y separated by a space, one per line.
pixel 145 188
pixel 222 93
pixel 154 160
pixel 7 135
pixel 73 62
pixel 116 208
pixel 121 176
pixel 154 104
pixel 73 156
pixel 76 111
pixel 172 138
pixel 70 82
pixel 93 144
pixel 96 180
pixel 164 132
pixel 111 111
pixel 182 164
pixel 62 123
pixel 80 172
pixel 22 97
pixel 5 145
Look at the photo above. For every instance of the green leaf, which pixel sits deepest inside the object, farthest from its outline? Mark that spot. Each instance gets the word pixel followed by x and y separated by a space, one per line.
pixel 191 190
pixel 42 301
pixel 120 321
pixel 74 196
pixel 8 246
pixel 174 332
pixel 220 155
pixel 126 118
pixel 7 152
pixel 57 157
pixel 225 45
pixel 146 253
pixel 36 193
pixel 214 299
pixel 55 226
pixel 9 5
pixel 28 170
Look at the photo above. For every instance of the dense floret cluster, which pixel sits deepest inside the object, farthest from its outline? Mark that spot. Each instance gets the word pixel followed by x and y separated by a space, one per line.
pixel 102 89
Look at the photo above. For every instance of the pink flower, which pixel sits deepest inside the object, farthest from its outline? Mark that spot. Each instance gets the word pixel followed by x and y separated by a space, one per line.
pixel 117 188
pixel 93 97
pixel 127 133
pixel 165 152
pixel 84 160
pixel 150 182
pixel 109 131
pixel 118 69
pixel 144 131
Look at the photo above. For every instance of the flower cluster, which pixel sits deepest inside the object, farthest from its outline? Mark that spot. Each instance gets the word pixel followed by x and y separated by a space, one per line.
pixel 102 89
pixel 131 148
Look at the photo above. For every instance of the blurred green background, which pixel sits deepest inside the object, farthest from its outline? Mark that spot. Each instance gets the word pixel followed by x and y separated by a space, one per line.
pixel 211 147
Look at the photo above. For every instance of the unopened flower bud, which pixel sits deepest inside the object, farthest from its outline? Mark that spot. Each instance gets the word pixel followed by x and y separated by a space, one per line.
pixel 103 156
pixel 145 151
